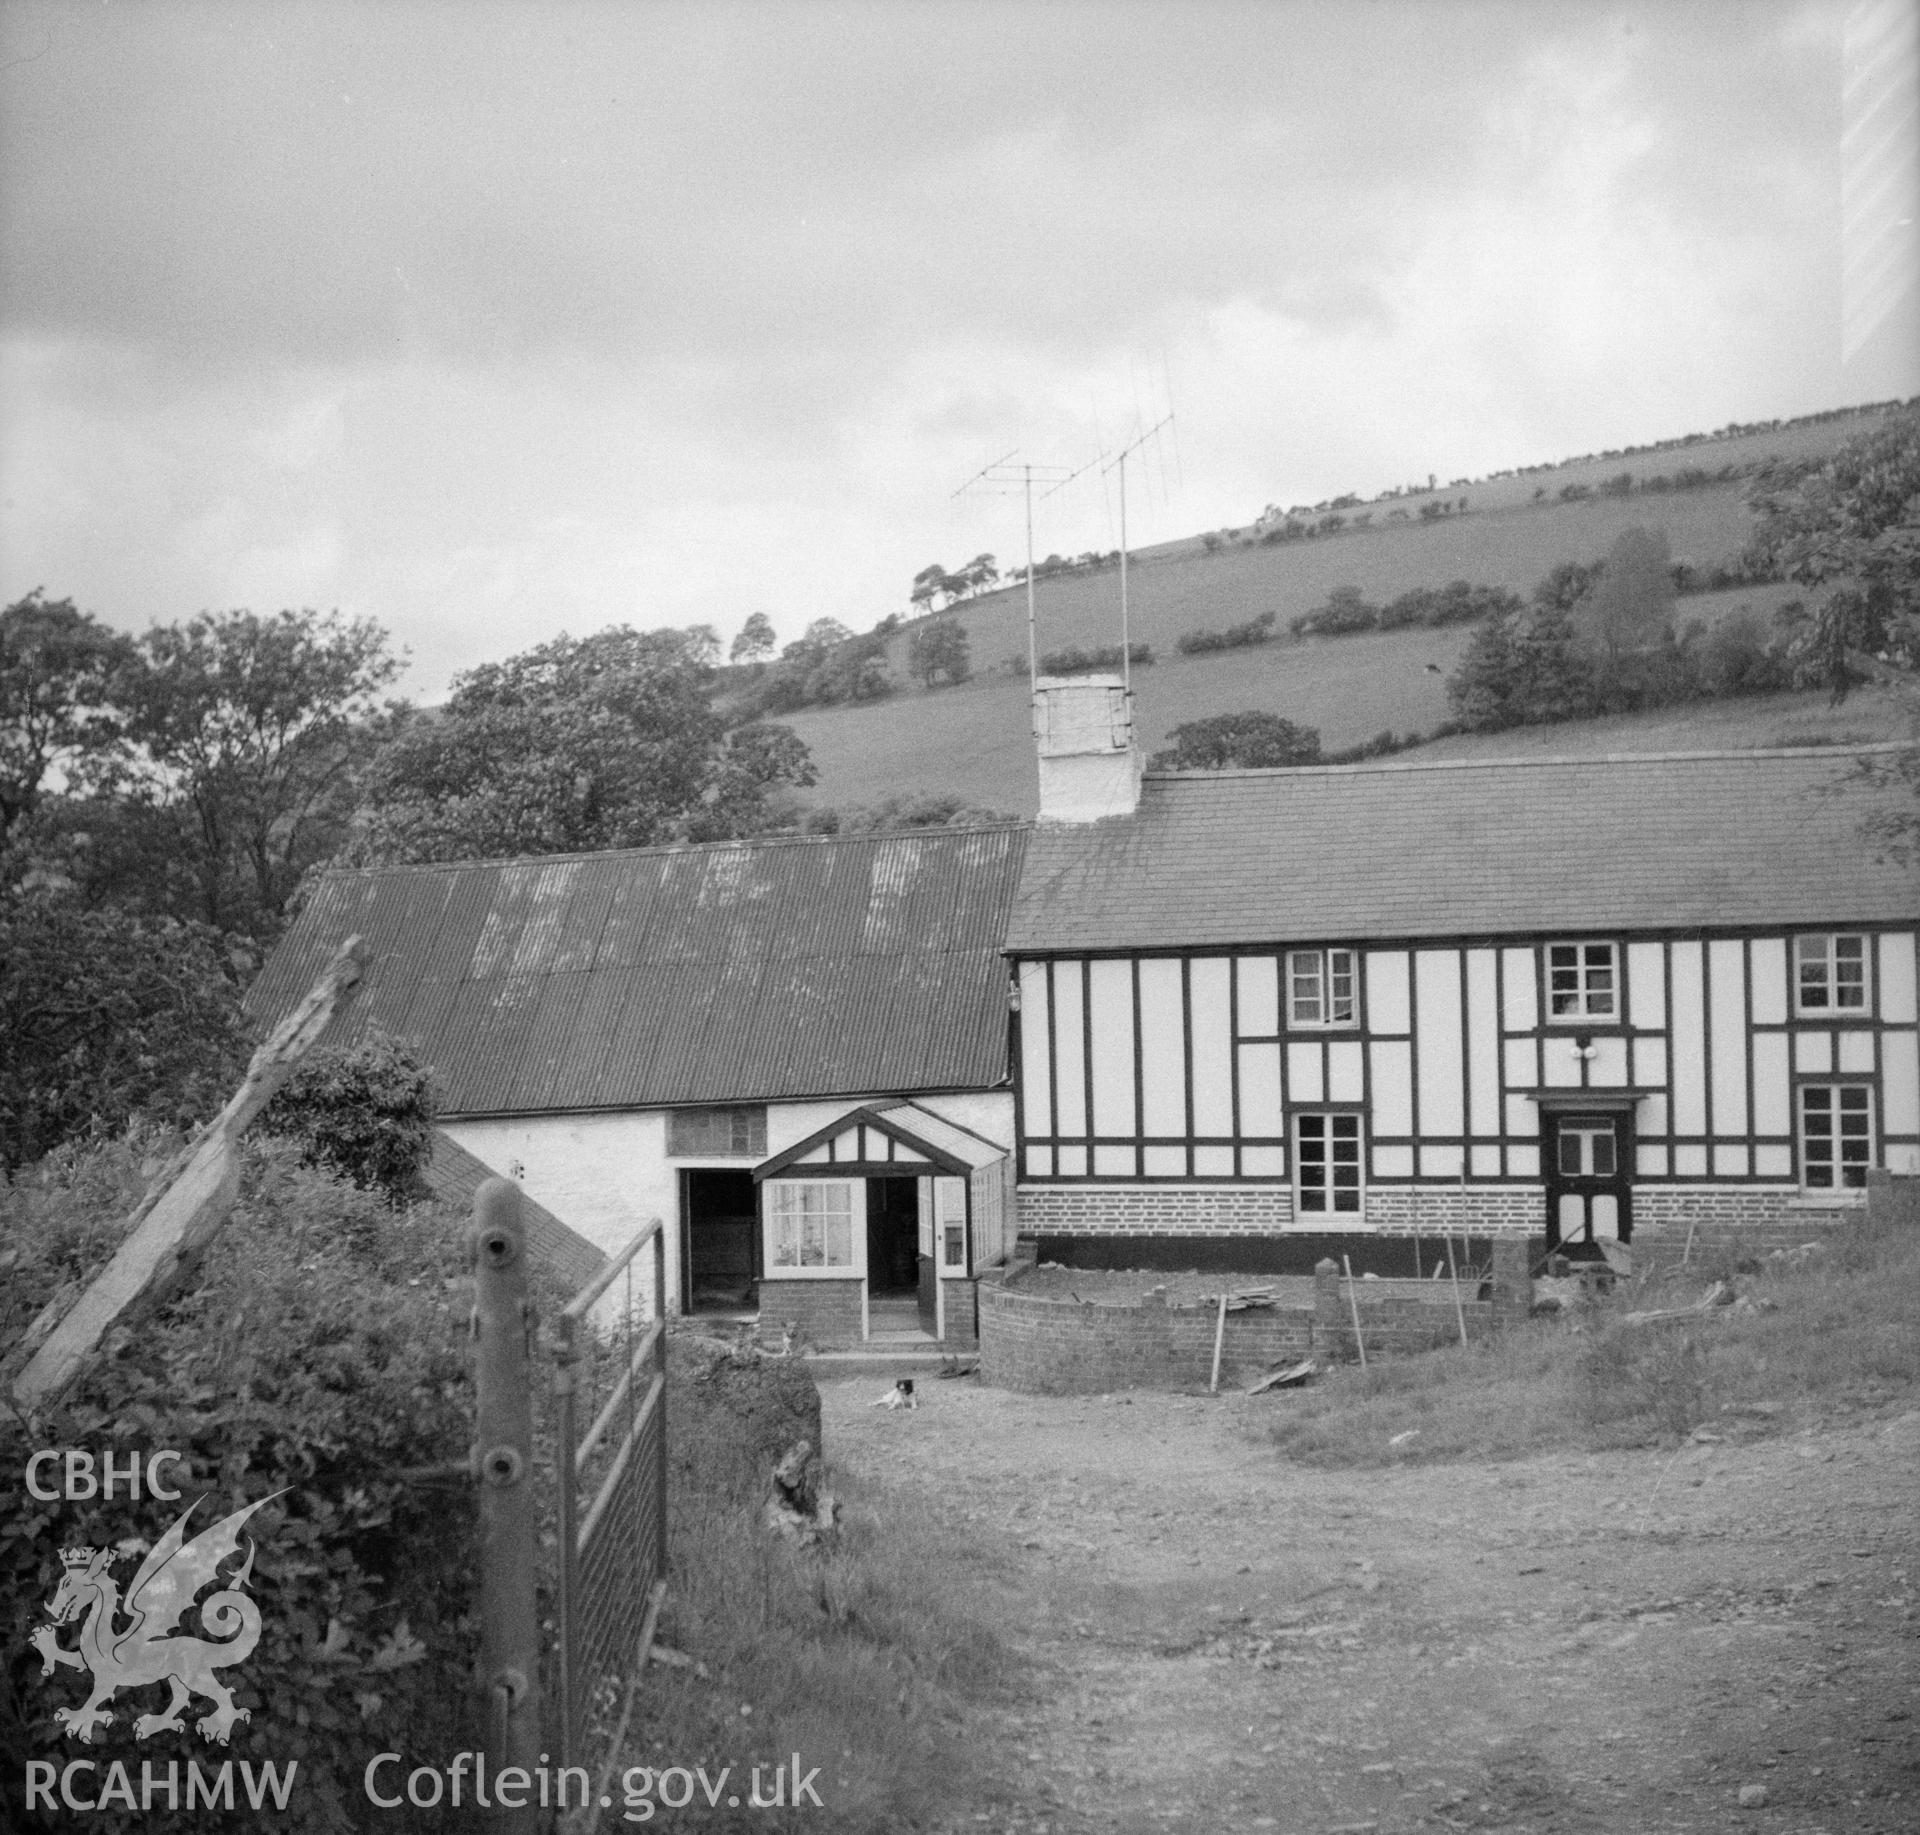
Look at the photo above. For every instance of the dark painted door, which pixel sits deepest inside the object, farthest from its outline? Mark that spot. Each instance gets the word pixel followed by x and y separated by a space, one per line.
pixel 1588 1197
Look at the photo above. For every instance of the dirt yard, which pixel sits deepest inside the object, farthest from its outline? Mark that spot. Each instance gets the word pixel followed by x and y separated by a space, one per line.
pixel 1222 1641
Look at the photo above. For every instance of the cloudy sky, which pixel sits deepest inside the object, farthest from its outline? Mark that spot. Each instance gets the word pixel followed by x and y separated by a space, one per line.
pixel 491 320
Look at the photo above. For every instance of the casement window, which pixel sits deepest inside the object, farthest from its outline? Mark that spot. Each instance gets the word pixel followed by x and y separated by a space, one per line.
pixel 1836 1135
pixel 809 1224
pixel 1830 974
pixel 717 1134
pixel 1327 1147
pixel 1322 987
pixel 1583 981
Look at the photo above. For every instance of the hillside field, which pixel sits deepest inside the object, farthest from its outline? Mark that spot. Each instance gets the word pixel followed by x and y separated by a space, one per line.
pixel 974 740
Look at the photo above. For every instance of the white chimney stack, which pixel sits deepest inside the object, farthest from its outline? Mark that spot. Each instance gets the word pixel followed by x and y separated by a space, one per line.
pixel 1089 766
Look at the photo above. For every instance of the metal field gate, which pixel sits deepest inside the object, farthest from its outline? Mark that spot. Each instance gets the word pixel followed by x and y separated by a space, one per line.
pixel 611 1480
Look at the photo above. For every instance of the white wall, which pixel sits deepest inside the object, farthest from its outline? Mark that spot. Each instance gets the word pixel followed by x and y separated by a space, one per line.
pixel 608 1175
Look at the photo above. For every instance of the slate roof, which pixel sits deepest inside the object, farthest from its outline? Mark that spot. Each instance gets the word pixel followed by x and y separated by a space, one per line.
pixel 1468 848
pixel 661 977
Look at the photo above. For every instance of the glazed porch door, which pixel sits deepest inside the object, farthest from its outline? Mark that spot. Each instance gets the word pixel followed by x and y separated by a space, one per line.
pixel 1587 1191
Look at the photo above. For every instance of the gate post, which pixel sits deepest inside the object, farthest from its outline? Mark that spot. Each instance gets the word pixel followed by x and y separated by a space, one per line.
pixel 509 1624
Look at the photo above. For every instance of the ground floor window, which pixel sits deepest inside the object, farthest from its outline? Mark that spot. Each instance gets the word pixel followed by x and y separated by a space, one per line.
pixel 809 1223
pixel 1836 1135
pixel 1327 1159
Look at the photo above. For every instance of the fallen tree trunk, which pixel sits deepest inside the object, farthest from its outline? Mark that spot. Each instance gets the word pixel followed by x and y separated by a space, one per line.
pixel 188 1203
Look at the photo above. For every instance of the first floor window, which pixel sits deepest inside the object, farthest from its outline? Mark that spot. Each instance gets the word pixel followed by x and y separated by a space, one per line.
pixel 1327 1162
pixel 1836 1135
pixel 1320 987
pixel 1581 982
pixel 810 1223
pixel 1830 974
pixel 716 1134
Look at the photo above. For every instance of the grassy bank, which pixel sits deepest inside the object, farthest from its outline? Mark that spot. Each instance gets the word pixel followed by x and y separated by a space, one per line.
pixel 862 1655
pixel 1820 1337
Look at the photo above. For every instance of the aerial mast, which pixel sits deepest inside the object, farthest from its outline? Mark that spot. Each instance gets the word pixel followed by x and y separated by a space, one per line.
pixel 1119 462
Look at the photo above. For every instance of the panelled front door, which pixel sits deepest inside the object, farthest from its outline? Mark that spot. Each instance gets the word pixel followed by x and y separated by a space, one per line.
pixel 1587 1191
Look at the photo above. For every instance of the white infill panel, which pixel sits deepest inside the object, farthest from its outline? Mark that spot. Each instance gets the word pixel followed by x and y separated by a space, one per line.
pixel 1260 1112
pixel 1392 1086
pixel 1650 1068
pixel 1483 1041
pixel 1436 995
pixel 1036 1027
pixel 1257 996
pixel 1389 1008
pixel 1607 1068
pixel 1767 963
pixel 1647 986
pixel 1069 1048
pixel 1727 979
pixel 1897 978
pixel 1522 997
pixel 1689 1043
pixel 1523 1064
pixel 1772 1112
pixel 1306 1078
pixel 1813 1053
pixel 1110 1011
pixel 1163 1049
pixel 1212 1045
pixel 1346 1071
pixel 1900 1082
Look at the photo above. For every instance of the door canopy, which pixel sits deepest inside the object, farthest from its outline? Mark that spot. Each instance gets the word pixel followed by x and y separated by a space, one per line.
pixel 890 1139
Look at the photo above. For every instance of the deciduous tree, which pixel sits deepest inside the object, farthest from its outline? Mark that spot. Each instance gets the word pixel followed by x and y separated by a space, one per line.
pixel 580 744
pixel 105 1014
pixel 58 667
pixel 1849 527
pixel 249 732
pixel 1249 741
pixel 939 648
pixel 755 642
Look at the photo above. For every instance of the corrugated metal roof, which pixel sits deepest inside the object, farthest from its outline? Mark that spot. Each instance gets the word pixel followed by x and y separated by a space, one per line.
pixel 1469 848
pixel 735 972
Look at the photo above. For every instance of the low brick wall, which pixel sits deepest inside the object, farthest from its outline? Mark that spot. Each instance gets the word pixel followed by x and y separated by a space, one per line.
pixel 1060 1347
pixel 1065 1347
pixel 962 1313
pixel 1746 1219
pixel 827 1314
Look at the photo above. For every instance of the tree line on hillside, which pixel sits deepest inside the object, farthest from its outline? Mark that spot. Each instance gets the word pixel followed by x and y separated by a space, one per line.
pixel 1601 637
pixel 165 797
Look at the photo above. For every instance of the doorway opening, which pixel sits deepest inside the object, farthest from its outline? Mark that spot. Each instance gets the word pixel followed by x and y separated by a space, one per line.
pixel 720 1237
pixel 1588 1194
pixel 900 1294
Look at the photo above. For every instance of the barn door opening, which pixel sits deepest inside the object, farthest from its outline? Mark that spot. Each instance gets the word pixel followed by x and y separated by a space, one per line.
pixel 1588 1197
pixel 720 1239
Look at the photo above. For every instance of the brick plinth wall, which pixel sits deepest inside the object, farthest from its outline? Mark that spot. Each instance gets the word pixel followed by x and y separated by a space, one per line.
pixel 1434 1210
pixel 826 1314
pixel 1154 1210
pixel 1266 1210
pixel 1743 1218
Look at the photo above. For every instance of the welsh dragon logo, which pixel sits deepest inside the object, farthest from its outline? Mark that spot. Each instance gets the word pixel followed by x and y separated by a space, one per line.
pixel 148 1650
